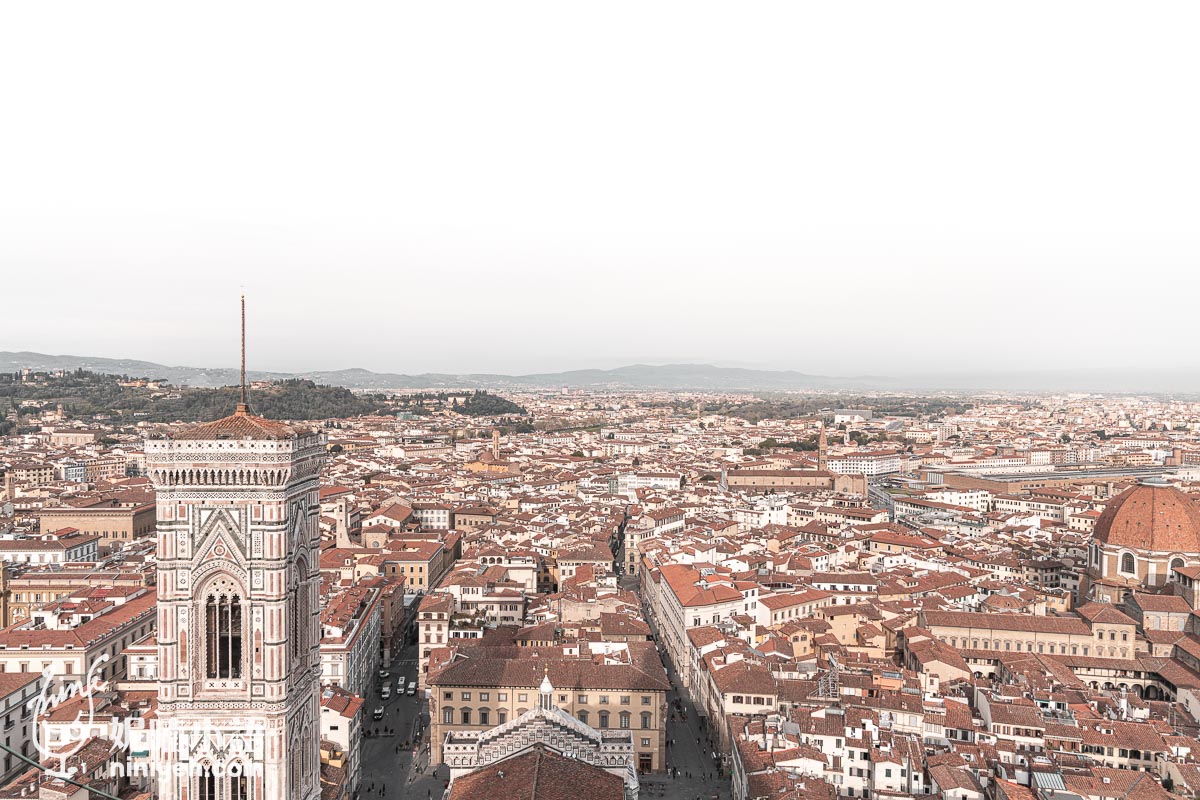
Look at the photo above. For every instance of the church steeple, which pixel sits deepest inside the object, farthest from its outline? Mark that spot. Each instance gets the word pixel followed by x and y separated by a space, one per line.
pixel 822 449
pixel 239 599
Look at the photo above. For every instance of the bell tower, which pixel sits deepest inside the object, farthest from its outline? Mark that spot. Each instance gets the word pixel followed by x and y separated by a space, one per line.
pixel 238 609
pixel 822 449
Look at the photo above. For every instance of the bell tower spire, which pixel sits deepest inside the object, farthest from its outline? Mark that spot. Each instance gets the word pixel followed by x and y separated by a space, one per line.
pixel 243 407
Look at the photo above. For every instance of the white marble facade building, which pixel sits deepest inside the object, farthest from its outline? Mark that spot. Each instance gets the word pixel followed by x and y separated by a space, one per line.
pixel 238 610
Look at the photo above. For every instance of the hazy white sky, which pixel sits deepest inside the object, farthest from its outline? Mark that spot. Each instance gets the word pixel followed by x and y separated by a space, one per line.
pixel 839 188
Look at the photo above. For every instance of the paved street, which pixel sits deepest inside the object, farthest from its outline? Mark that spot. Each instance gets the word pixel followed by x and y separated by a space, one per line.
pixel 390 771
pixel 692 751
pixel 387 763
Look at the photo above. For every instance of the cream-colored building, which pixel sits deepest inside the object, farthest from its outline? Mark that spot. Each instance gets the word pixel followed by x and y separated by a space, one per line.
pixel 480 691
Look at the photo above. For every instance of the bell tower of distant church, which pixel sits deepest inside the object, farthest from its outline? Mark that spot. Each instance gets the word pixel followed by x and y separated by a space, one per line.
pixel 238 608
pixel 822 449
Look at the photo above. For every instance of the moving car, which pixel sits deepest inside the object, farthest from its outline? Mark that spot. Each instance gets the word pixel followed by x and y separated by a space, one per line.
pixel 412 688
pixel 378 712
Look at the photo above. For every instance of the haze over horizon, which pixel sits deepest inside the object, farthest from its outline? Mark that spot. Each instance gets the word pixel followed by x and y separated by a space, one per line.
pixel 533 187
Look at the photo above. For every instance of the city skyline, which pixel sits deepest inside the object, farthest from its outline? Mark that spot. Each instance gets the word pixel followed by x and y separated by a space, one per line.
pixel 538 188
pixel 625 401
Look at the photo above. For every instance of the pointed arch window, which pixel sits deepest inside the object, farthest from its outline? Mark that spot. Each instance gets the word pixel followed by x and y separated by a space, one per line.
pixel 208 785
pixel 223 632
pixel 298 610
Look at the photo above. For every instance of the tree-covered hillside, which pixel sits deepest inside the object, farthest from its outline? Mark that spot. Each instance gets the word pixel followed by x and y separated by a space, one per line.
pixel 88 394
pixel 483 404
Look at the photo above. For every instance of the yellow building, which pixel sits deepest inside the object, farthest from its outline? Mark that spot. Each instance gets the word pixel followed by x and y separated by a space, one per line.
pixel 491 686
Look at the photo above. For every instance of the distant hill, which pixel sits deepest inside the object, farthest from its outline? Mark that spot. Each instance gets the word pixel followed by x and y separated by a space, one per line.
pixel 84 394
pixel 670 377
pixel 636 376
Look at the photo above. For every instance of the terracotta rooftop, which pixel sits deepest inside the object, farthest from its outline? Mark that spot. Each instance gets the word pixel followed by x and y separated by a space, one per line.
pixel 538 774
pixel 241 424
pixel 1154 517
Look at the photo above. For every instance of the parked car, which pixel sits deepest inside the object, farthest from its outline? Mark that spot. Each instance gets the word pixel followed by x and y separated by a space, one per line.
pixel 412 688
pixel 378 712
pixel 387 691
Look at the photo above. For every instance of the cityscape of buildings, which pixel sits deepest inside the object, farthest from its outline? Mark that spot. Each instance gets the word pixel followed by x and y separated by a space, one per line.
pixel 649 401
pixel 623 595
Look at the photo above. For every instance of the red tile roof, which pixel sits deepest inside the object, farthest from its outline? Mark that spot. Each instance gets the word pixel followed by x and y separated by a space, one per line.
pixel 241 424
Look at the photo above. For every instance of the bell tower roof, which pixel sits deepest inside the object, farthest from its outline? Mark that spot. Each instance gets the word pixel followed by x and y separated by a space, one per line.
pixel 241 424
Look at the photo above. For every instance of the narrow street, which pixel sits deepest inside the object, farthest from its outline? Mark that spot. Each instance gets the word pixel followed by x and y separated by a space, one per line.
pixel 692 751
pixel 389 770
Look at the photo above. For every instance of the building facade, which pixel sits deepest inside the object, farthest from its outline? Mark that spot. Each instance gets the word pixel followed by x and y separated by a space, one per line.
pixel 238 611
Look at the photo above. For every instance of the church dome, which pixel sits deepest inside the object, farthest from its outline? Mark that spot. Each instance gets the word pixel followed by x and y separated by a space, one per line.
pixel 1151 516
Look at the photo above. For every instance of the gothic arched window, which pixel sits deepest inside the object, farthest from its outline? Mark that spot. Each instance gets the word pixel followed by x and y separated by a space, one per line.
pixel 239 786
pixel 1127 564
pixel 208 785
pixel 301 616
pixel 223 632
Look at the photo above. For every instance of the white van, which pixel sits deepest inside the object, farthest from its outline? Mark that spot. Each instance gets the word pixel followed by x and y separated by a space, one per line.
pixel 412 688
pixel 387 691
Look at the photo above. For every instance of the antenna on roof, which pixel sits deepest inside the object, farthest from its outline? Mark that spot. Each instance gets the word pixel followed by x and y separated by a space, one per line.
pixel 242 406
